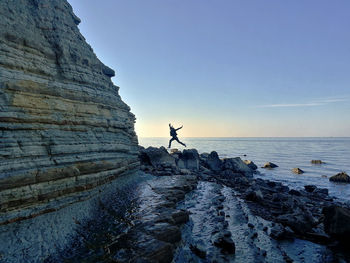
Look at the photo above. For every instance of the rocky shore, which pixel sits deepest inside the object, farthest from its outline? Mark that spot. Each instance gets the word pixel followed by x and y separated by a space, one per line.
pixel 200 208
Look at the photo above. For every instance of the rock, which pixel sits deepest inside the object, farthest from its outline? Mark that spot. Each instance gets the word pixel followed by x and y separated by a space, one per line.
pixel 310 188
pixel 297 171
pixel 165 232
pixel 189 159
pixel 199 251
pixel 156 250
pixel 294 192
pixel 157 156
pixel 337 222
pixel 298 221
pixel 340 177
pixel 278 232
pixel 251 165
pixel 213 162
pixel 226 244
pixel 269 165
pixel 236 165
pixel 321 191
pixel 253 195
pixel 316 162
pixel 174 150
pixel 180 217
pixel 185 171
pixel 65 133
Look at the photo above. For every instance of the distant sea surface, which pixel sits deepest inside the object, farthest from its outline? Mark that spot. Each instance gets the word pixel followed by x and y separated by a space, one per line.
pixel 287 153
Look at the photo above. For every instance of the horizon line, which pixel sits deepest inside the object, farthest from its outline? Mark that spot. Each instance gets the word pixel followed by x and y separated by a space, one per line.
pixel 247 136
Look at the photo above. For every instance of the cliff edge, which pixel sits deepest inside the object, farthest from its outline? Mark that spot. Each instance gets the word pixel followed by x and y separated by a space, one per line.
pixel 63 126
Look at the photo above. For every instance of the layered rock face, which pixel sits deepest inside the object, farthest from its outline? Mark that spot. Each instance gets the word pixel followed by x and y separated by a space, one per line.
pixel 63 126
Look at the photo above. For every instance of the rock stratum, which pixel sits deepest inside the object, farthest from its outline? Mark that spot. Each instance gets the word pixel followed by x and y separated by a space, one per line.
pixel 63 126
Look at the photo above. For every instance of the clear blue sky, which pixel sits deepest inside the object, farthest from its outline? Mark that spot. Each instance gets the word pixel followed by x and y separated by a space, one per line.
pixel 227 67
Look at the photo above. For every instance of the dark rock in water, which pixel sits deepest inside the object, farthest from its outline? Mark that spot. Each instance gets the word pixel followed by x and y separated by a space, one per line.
pixel 310 188
pixel 337 222
pixel 269 165
pixel 189 159
pixel 236 165
pixel 226 244
pixel 250 164
pixel 297 171
pixel 213 161
pixel 316 162
pixel 294 192
pixel 340 177
pixel 157 156
pixel 198 251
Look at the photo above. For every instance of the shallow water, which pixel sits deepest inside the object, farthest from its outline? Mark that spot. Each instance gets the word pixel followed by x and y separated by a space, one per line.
pixel 287 153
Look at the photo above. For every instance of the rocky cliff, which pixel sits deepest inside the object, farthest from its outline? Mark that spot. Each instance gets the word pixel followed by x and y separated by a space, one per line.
pixel 63 126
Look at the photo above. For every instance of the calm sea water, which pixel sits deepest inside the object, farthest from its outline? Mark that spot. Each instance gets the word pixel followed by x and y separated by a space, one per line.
pixel 287 153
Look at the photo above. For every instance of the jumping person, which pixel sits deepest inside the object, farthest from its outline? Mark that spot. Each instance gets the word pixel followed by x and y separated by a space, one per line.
pixel 173 134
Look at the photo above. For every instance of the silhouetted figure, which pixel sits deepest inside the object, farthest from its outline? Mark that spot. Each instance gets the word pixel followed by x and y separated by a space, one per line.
pixel 173 134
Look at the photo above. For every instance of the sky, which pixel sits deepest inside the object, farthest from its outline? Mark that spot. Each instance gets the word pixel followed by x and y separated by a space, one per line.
pixel 227 68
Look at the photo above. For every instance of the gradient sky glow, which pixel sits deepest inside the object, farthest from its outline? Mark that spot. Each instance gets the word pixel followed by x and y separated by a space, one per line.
pixel 224 68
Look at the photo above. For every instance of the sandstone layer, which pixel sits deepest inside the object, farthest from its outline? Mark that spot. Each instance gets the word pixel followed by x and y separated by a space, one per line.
pixel 63 126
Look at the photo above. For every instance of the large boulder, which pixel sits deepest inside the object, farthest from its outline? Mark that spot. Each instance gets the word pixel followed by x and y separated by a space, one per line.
pixel 340 177
pixel 337 222
pixel 189 159
pixel 236 165
pixel 213 161
pixel 157 156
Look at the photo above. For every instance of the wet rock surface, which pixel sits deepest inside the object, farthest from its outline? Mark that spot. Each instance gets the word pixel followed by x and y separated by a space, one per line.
pixel 340 178
pixel 269 165
pixel 218 214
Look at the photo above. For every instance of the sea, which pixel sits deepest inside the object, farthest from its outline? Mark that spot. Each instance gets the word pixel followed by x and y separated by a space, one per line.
pixel 287 153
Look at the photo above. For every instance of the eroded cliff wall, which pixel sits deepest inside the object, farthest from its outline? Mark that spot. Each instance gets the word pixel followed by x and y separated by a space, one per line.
pixel 63 126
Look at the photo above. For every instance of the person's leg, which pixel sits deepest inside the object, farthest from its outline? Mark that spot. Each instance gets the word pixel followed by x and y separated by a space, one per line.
pixel 180 142
pixel 170 142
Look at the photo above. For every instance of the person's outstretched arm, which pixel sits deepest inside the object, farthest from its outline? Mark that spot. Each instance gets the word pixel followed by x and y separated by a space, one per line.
pixel 179 128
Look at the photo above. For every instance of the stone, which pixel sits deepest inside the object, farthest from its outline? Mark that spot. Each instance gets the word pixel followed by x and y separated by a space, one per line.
pixel 236 165
pixel 250 164
pixel 190 159
pixel 310 188
pixel 297 171
pixel 269 165
pixel 199 251
pixel 156 250
pixel 157 157
pixel 180 217
pixel 226 244
pixel 316 162
pixel 294 192
pixel 174 150
pixel 337 222
pixel 340 178
pixel 165 232
pixel 253 195
pixel 213 161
